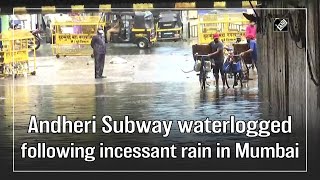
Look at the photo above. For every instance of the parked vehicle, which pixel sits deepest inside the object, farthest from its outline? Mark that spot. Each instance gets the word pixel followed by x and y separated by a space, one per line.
pixel 137 28
pixel 169 26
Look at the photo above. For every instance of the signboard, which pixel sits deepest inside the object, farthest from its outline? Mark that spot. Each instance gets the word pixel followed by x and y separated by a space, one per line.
pixel 105 7
pixel 246 4
pixel 206 38
pixel 19 56
pixel 77 8
pixel 143 6
pixel 20 10
pixel 221 4
pixel 48 9
pixel 185 5
pixel 73 39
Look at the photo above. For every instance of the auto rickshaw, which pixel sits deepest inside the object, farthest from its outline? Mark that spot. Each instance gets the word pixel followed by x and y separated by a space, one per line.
pixel 135 27
pixel 169 26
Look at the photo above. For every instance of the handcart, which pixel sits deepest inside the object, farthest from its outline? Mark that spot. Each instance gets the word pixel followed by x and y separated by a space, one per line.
pixel 16 53
pixel 237 66
pixel 72 37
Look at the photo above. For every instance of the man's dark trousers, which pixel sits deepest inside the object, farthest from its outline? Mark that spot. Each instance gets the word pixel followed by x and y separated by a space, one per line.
pixel 99 51
pixel 99 60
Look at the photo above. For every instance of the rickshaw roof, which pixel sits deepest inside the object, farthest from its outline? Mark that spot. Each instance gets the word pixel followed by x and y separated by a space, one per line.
pixel 168 16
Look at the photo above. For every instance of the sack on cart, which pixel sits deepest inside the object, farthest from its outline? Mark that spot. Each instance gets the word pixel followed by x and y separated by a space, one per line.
pixel 197 65
pixel 208 66
pixel 236 67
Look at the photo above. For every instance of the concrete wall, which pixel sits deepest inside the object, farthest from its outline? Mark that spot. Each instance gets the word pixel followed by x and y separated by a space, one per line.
pixel 284 78
pixel 314 49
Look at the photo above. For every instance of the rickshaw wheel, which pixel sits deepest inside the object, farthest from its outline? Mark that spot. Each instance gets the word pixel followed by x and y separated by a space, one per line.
pixel 58 56
pixel 33 73
pixel 142 43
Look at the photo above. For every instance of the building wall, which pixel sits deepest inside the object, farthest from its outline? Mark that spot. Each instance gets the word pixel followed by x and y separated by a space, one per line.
pixel 284 76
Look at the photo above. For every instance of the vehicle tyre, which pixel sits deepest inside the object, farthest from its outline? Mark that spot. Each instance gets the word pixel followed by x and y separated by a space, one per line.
pixel 142 43
pixel 58 56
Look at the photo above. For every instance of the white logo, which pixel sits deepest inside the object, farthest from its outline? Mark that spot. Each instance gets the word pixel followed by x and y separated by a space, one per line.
pixel 283 23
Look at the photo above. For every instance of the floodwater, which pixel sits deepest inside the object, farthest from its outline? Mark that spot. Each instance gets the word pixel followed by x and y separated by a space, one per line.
pixel 145 86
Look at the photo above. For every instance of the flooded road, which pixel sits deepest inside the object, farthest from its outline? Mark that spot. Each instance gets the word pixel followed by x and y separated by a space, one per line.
pixel 149 86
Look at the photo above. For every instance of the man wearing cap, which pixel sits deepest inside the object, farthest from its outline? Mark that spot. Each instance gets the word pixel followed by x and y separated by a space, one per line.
pixel 217 58
pixel 99 51
pixel 252 50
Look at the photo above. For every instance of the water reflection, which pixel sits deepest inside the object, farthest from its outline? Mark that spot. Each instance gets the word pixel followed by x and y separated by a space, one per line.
pixel 141 101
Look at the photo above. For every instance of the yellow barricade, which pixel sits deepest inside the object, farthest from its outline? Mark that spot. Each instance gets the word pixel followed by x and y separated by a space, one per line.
pixel 17 47
pixel 72 37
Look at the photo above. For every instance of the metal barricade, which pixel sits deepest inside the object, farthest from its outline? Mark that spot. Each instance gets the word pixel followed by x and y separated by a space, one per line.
pixel 17 52
pixel 73 37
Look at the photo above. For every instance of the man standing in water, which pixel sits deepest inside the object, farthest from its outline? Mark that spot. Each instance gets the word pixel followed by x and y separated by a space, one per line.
pixel 99 51
pixel 217 58
pixel 252 50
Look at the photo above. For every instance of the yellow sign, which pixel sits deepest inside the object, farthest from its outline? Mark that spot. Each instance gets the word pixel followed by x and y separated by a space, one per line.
pixel 19 10
pixel 206 38
pixel 143 6
pixel 18 56
pixel 246 4
pixel 105 7
pixel 73 39
pixel 185 5
pixel 48 9
pixel 221 4
pixel 77 8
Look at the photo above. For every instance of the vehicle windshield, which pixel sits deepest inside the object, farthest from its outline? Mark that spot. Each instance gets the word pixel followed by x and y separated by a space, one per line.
pixel 144 20
pixel 168 17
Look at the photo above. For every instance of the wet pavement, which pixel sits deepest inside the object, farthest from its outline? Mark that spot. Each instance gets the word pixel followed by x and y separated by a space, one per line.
pixel 163 48
pixel 144 84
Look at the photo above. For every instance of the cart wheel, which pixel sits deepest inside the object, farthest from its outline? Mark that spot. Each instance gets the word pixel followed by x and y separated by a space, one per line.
pixel 226 79
pixel 65 56
pixel 33 73
pixel 58 56
pixel 92 56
